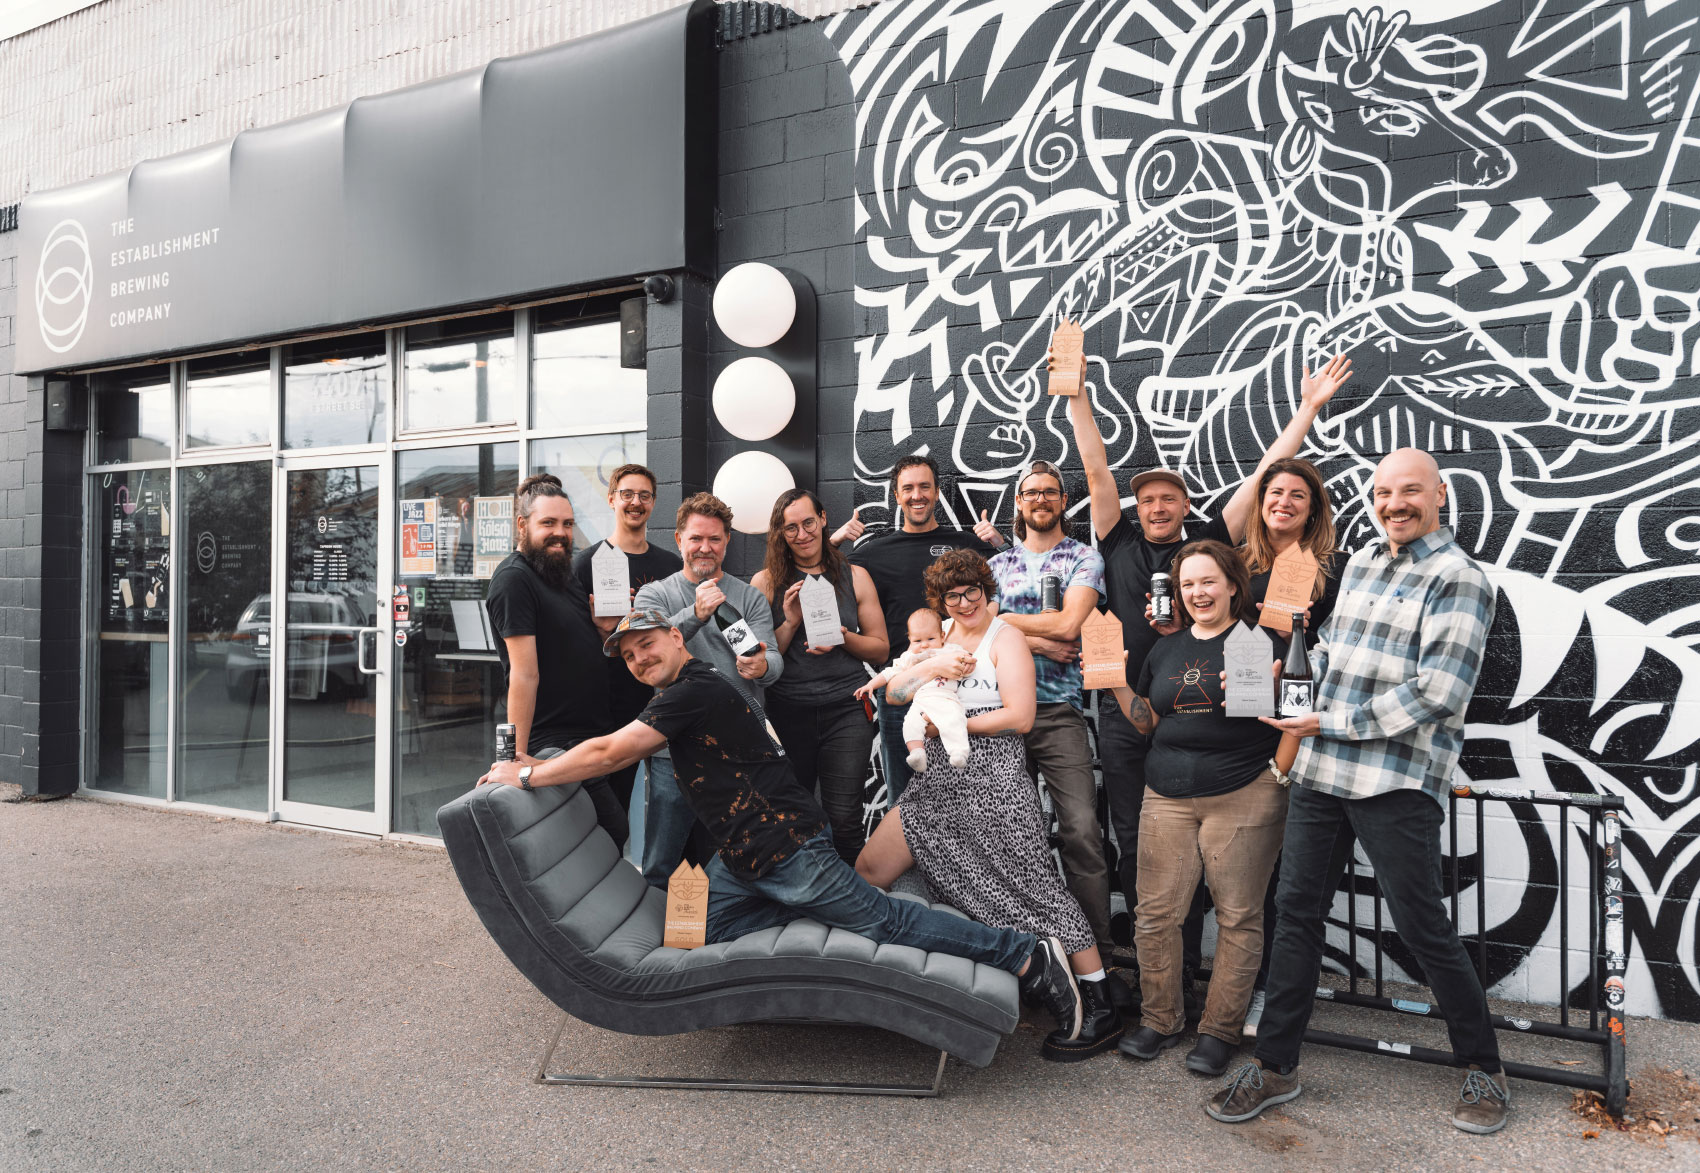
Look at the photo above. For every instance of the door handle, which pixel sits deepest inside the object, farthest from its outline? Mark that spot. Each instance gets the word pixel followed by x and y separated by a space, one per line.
pixel 360 651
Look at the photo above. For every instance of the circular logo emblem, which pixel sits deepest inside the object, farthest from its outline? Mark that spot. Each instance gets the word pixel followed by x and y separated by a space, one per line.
pixel 206 551
pixel 940 551
pixel 64 285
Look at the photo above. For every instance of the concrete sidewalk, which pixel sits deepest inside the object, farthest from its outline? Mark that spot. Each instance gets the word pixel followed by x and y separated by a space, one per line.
pixel 183 992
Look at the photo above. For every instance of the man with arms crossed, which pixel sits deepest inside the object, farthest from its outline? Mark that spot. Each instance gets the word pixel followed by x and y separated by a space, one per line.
pixel 1057 745
pixel 774 861
pixel 631 495
pixel 896 561
pixel 702 527
pixel 1396 666
pixel 542 617
pixel 1133 553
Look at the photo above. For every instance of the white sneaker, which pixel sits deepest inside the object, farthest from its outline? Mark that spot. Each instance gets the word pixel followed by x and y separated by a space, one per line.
pixel 1253 1015
pixel 917 760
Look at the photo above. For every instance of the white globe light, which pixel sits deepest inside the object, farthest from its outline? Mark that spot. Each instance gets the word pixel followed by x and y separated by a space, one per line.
pixel 754 398
pixel 754 304
pixel 750 482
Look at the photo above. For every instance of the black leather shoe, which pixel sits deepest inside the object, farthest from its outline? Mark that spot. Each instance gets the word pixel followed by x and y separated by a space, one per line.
pixel 1100 1027
pixel 1049 983
pixel 1146 1043
pixel 1211 1056
pixel 1122 995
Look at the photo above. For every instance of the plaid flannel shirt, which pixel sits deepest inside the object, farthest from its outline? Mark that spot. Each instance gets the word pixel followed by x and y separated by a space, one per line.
pixel 1396 665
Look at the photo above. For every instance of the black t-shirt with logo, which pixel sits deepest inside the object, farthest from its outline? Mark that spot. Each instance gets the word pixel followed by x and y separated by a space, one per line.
pixel 1198 751
pixel 1129 562
pixel 733 771
pixel 627 694
pixel 898 561
pixel 572 694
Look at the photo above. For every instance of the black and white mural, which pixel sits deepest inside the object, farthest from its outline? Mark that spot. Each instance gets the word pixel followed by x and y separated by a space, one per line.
pixel 1494 206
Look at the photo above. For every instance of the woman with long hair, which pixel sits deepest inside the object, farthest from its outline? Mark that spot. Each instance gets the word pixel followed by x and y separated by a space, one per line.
pixel 1212 807
pixel 976 832
pixel 1293 510
pixel 827 733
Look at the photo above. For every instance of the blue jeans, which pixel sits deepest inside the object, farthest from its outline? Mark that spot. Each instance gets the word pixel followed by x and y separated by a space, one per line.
pixel 893 753
pixel 813 882
pixel 667 822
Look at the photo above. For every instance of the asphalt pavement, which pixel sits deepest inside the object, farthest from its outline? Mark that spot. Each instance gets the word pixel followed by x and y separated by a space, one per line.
pixel 184 992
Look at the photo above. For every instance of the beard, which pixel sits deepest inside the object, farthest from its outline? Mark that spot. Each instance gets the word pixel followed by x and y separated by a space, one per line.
pixel 552 559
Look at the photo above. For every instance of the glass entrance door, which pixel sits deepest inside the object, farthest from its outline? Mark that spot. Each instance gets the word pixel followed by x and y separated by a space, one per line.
pixel 330 635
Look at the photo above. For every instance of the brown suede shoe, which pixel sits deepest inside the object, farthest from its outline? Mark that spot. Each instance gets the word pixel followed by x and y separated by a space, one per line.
pixel 1251 1090
pixel 1482 1103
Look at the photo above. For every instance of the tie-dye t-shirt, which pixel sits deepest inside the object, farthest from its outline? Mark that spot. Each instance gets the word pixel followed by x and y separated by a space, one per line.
pixel 1020 574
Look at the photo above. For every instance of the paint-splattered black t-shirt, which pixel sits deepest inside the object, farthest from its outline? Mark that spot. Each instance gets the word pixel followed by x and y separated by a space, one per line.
pixel 733 771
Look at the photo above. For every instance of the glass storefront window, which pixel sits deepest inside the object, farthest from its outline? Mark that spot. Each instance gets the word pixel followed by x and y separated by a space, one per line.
pixel 133 521
pixel 132 412
pixel 583 464
pixel 452 692
pixel 459 373
pixel 227 401
pixel 577 379
pixel 336 392
pixel 223 723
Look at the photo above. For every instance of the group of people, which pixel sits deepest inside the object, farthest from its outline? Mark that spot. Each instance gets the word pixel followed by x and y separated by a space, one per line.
pixel 960 651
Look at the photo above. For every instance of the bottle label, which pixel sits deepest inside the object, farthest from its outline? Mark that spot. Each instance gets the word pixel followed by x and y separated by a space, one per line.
pixel 1297 698
pixel 1162 608
pixel 739 637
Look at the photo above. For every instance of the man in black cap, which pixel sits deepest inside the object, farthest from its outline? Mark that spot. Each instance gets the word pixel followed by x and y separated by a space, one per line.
pixel 774 860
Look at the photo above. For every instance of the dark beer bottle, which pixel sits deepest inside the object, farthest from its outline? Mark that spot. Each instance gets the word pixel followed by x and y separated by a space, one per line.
pixel 735 630
pixel 1298 688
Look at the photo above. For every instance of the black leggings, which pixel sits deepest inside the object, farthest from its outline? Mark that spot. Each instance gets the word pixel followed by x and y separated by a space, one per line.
pixel 830 746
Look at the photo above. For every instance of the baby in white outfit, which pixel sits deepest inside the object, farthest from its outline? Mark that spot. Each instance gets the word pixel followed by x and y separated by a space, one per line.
pixel 934 701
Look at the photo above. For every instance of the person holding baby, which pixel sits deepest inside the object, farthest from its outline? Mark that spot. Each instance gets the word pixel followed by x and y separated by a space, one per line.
pixel 976 831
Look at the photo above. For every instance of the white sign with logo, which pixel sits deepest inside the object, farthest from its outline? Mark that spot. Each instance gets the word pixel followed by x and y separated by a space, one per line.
pixel 1250 690
pixel 610 581
pixel 821 625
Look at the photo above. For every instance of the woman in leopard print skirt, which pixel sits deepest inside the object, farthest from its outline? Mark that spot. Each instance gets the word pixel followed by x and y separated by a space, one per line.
pixel 977 834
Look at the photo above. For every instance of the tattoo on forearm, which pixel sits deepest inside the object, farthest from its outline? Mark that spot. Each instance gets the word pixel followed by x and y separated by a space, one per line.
pixel 1140 716
pixel 899 694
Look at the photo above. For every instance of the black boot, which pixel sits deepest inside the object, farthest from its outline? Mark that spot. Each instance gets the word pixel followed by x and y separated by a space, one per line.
pixel 1191 1009
pixel 1123 994
pixel 1100 1027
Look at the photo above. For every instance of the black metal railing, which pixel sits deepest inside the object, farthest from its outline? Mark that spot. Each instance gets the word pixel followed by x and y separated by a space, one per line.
pixel 1607 961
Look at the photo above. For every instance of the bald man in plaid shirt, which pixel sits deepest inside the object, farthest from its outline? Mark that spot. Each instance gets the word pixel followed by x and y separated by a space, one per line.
pixel 1396 666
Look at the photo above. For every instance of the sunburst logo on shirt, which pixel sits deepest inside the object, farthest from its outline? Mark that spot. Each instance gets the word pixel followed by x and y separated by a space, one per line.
pixel 1190 681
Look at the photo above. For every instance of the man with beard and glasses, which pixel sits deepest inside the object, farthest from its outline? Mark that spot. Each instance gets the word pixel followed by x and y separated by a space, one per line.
pixel 689 599
pixel 631 495
pixel 1057 746
pixel 557 693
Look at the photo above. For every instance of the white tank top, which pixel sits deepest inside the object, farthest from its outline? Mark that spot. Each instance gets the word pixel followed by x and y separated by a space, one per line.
pixel 978 691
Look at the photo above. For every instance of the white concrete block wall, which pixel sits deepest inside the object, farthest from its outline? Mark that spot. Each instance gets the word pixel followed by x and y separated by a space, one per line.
pixel 127 80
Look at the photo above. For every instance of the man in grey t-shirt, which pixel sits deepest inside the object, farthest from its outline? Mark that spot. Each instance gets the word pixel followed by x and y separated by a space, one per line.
pixel 689 599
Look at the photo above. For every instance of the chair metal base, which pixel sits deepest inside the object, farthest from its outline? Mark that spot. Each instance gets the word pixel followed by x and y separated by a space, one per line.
pixel 919 1091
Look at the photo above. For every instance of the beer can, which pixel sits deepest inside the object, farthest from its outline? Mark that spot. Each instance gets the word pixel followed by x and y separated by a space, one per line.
pixel 507 742
pixel 1162 598
pixel 1050 593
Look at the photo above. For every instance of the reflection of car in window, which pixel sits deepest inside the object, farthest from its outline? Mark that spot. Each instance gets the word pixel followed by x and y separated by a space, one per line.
pixel 323 632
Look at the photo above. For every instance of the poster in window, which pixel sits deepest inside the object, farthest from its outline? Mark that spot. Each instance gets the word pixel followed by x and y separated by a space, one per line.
pixel 419 537
pixel 493 536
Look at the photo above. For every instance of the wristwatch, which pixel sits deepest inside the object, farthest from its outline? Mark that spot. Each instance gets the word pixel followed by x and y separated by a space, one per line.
pixel 525 777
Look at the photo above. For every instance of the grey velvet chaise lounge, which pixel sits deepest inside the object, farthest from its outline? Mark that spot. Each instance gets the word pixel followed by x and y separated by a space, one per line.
pixel 579 922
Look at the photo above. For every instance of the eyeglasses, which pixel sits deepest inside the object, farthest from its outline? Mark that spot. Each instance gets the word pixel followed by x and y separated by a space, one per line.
pixel 807 526
pixel 958 598
pixel 630 495
pixel 1040 494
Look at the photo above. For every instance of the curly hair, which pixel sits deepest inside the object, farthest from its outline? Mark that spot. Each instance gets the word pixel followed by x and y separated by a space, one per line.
pixel 958 568
pixel 1233 569
pixel 704 505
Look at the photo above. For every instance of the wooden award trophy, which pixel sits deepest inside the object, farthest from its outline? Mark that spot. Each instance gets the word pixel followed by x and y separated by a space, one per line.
pixel 1068 359
pixel 1290 582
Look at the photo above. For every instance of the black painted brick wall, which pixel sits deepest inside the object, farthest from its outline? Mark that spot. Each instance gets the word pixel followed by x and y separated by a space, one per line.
pixel 787 133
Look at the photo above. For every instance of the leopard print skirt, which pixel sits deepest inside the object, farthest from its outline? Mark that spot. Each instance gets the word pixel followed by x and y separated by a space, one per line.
pixel 978 836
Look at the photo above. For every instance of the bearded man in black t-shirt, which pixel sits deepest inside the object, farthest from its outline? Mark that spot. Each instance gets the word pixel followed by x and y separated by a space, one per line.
pixel 774 861
pixel 1133 553
pixel 896 561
